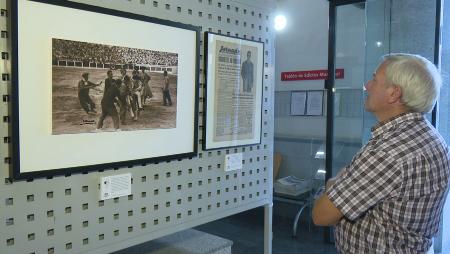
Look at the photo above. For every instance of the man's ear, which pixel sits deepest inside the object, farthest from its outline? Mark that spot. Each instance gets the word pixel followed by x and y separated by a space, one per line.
pixel 395 94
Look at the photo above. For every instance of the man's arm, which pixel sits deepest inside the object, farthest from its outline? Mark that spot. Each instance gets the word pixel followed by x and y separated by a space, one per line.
pixel 325 213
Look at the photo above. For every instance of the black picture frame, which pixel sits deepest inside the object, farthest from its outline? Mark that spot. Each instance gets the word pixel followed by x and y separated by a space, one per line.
pixel 36 150
pixel 218 132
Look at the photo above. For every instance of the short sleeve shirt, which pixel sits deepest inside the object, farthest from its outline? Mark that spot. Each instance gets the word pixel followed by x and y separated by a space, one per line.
pixel 392 193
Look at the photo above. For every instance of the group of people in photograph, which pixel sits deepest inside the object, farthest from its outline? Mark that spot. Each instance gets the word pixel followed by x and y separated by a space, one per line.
pixel 129 93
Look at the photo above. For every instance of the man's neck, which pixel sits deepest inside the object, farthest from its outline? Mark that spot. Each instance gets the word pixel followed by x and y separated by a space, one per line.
pixel 385 116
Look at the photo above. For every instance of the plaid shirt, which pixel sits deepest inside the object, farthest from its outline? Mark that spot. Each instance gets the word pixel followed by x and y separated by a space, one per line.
pixel 393 191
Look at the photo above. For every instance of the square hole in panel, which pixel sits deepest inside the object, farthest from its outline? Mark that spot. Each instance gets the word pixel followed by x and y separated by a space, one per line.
pixel 85 224
pixel 167 218
pixel 189 212
pixel 178 9
pixel 68 192
pixel 9 221
pixel 85 241
pixel 10 241
pixel 167 6
pixel 68 246
pixel 143 194
pixel 50 213
pixel 130 229
pixel 30 198
pixel 179 186
pixel 155 192
pixel 143 209
pixel 85 188
pixel 189 199
pixel 155 207
pixel 179 201
pixel 155 222
pixel 85 206
pixel 68 228
pixel 130 213
pixel 30 217
pixel 116 232
pixel 31 237
pixel 209 207
pixel 143 225
pixel 101 203
pixel 101 220
pixel 116 216
pixel 50 232
pixel 143 179
pixel 167 189
pixel 68 209
pixel 130 197
pixel 101 237
pixel 180 172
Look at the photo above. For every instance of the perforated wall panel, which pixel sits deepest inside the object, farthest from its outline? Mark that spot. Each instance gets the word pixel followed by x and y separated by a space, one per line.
pixel 63 214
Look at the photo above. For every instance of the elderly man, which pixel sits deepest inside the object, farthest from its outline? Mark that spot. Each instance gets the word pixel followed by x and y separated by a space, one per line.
pixel 389 199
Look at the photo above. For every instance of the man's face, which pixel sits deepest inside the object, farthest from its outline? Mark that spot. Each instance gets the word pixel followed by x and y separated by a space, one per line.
pixel 110 75
pixel 378 91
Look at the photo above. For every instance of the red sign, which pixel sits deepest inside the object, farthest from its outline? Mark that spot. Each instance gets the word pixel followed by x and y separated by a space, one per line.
pixel 310 75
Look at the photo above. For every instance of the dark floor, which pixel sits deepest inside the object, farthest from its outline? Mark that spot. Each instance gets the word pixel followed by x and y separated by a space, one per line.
pixel 246 230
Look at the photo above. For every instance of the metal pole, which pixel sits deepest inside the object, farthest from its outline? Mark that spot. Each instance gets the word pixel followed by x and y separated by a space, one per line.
pixel 268 210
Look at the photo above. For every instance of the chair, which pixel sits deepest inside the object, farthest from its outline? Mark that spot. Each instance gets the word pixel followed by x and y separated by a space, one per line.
pixel 277 158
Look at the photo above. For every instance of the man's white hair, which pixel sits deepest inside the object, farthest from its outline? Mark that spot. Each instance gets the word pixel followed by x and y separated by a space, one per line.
pixel 418 78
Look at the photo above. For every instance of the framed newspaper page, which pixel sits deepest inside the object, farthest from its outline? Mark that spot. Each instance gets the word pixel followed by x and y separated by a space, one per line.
pixel 234 86
pixel 96 88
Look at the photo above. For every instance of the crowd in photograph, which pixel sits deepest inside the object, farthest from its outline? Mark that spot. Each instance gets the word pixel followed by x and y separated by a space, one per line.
pixel 67 50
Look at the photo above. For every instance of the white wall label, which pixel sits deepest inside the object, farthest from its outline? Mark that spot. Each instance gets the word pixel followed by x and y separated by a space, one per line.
pixel 115 186
pixel 233 161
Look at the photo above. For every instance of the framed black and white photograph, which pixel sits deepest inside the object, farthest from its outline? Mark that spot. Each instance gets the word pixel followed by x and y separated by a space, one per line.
pixel 96 88
pixel 234 86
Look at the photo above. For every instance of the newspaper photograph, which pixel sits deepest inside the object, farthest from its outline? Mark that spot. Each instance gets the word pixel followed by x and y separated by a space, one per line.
pixel 235 91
